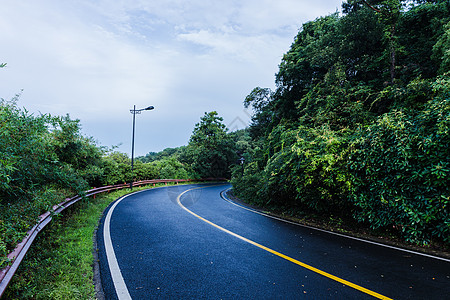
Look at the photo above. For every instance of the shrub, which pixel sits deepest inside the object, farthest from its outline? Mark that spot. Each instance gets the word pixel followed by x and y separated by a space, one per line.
pixel 401 169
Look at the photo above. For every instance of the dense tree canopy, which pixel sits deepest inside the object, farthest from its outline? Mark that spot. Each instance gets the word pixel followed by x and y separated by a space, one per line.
pixel 211 150
pixel 358 125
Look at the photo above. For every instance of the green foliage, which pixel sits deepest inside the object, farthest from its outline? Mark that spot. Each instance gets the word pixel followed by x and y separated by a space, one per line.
pixel 29 154
pixel 421 31
pixel 317 161
pixel 166 153
pixel 116 168
pixel 400 168
pixel 79 152
pixel 305 65
pixel 247 181
pixel 211 150
pixel 260 100
pixel 441 50
pixel 302 172
pixel 171 168
pixel 146 171
pixel 43 159
pixel 358 124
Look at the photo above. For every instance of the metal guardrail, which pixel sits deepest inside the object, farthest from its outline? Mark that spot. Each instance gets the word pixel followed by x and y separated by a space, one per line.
pixel 21 249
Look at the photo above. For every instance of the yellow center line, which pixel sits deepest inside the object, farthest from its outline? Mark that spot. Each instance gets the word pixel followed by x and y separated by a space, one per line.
pixel 293 260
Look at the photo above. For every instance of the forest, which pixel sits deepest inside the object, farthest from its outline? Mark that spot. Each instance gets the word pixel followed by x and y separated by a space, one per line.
pixel 358 125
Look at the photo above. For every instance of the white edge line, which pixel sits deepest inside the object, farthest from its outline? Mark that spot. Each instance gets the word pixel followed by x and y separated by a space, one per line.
pixel 116 274
pixel 222 194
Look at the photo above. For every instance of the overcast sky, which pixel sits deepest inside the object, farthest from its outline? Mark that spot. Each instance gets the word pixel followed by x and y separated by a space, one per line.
pixel 95 59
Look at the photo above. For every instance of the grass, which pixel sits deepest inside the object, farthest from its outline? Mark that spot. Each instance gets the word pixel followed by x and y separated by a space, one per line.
pixel 59 265
pixel 18 216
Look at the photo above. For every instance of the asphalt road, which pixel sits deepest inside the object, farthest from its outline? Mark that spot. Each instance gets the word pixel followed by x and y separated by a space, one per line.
pixel 187 242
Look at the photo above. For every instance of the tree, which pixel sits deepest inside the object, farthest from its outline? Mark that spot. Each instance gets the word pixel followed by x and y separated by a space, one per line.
pixel 79 152
pixel 116 168
pixel 166 153
pixel 210 151
pixel 441 50
pixel 260 99
pixel 358 124
pixel 171 168
pixel 311 55
pixel 389 13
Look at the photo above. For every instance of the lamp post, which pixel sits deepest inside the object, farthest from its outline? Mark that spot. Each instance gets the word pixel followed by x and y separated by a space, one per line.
pixel 135 111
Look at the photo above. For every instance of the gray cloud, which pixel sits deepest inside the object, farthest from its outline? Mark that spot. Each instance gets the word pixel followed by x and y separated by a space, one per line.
pixel 96 59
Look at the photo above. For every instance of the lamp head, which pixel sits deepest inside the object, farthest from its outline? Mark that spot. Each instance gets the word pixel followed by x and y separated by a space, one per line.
pixel 149 108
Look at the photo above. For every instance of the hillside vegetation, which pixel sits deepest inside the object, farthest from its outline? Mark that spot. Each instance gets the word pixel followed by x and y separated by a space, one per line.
pixel 44 159
pixel 358 126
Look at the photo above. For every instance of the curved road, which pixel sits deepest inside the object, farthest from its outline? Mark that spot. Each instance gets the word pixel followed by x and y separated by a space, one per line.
pixel 188 242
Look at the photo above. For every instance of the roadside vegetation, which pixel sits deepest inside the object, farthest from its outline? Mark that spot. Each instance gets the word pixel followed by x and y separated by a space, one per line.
pixel 60 263
pixel 45 159
pixel 357 129
pixel 355 134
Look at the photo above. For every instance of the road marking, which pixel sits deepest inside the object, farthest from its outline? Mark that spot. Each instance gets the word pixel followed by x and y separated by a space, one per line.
pixel 293 260
pixel 116 274
pixel 222 194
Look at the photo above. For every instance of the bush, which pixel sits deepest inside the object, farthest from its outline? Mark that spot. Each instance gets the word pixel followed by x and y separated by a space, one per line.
pixel 171 168
pixel 401 169
pixel 43 159
pixel 248 182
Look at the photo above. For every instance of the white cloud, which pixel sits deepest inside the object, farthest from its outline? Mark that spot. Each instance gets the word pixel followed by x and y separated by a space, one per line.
pixel 96 59
pixel 71 60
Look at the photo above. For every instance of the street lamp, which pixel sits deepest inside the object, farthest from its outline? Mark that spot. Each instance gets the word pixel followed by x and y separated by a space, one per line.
pixel 135 111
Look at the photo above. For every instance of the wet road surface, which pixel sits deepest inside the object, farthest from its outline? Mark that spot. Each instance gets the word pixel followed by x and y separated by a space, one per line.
pixel 187 242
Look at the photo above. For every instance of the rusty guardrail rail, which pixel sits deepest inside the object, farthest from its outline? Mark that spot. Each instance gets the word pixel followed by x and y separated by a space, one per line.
pixel 21 249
